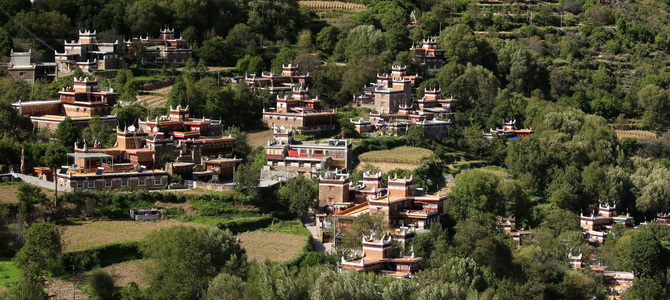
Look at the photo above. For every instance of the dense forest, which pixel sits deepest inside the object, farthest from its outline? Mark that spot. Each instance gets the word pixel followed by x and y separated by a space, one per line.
pixel 584 75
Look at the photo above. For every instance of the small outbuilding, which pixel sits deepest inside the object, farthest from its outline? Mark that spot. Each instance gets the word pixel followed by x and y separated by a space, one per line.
pixel 146 214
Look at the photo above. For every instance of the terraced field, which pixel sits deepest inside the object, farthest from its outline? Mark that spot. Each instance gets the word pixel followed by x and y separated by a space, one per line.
pixel 157 98
pixel 639 135
pixel 339 5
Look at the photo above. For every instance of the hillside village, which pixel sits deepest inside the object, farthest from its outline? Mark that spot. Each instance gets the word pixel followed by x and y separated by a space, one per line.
pixel 357 149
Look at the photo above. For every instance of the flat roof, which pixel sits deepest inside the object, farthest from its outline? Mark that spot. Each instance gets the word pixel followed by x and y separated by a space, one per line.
pixel 89 155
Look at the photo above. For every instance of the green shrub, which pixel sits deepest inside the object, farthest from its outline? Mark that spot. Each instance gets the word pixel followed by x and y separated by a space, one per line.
pixel 101 256
pixel 101 286
pixel 175 211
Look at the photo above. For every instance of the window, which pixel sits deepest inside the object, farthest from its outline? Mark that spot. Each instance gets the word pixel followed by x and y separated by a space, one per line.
pixel 141 182
pixel 124 182
pixel 108 183
pixel 158 181
pixel 80 184
pixel 91 184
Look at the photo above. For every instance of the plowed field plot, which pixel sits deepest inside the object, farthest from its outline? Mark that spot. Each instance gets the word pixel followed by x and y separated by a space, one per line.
pixel 271 246
pixel 86 235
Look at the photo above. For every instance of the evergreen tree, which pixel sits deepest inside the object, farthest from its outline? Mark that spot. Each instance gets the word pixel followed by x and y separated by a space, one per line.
pixel 66 133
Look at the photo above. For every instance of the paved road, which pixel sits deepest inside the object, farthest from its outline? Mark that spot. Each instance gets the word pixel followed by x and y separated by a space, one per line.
pixel 318 246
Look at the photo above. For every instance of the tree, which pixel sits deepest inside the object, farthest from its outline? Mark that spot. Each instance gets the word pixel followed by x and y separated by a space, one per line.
pixel 66 133
pixel 276 19
pixel 644 255
pixel 250 64
pixel 415 135
pixel 270 281
pixel 129 114
pixel 475 141
pixel 29 287
pixel 285 56
pixel 29 196
pixel 247 179
pixel 475 191
pixel 188 258
pixel 345 285
pixel 479 239
pixel 299 195
pixel 461 45
pixel 477 88
pixel 645 289
pixel 580 285
pixel 327 39
pixel 305 41
pixel 101 286
pixel 216 51
pixel 9 151
pixel 397 289
pixel 42 250
pixel 566 191
pixel 241 146
pixel 654 189
pixel 143 16
pixel 6 43
pixel 656 104
pixel 55 155
pixel 100 131
pixel 226 287
pixel 364 40
pixel 376 223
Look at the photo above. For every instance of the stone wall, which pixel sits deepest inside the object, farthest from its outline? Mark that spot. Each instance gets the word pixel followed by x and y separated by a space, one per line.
pixel 41 183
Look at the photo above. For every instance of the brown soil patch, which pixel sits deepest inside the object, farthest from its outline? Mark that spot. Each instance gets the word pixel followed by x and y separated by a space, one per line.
pixel 90 234
pixel 8 193
pixel 63 290
pixel 165 91
pixel 258 138
pixel 131 271
pixel 271 246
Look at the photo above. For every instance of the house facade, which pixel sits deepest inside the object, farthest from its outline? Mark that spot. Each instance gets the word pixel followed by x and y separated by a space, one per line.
pixel 301 112
pixel 378 256
pixel 22 66
pixel 89 55
pixel 97 171
pixel 397 202
pixel 428 54
pixel 166 49
pixel 81 103
pixel 431 112
pixel 285 155
pixel 277 84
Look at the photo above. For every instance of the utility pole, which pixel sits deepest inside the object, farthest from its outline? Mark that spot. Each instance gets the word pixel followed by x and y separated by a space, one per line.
pixel 334 224
pixel 74 285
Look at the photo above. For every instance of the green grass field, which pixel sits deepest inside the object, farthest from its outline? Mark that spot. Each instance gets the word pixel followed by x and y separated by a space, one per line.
pixel 8 272
pixel 402 155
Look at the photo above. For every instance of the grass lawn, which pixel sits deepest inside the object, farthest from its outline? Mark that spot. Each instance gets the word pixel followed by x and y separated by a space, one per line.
pixel 8 272
pixel 86 235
